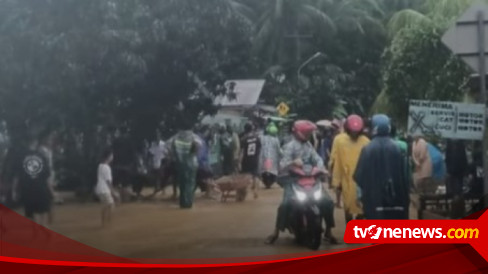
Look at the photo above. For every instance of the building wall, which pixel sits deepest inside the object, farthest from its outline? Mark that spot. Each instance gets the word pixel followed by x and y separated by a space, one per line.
pixel 231 111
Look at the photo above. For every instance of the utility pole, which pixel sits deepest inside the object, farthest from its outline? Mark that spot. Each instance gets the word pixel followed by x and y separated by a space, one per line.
pixel 315 56
pixel 467 39
pixel 298 43
pixel 482 73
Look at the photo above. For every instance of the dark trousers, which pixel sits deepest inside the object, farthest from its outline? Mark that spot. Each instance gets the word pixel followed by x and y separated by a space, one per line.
pixel 187 183
pixel 455 185
pixel 455 190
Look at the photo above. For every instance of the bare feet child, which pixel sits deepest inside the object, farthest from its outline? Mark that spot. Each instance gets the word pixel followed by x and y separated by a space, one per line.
pixel 104 189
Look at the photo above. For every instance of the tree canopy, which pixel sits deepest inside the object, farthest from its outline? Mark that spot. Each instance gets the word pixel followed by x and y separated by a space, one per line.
pixel 79 64
pixel 417 64
pixel 83 63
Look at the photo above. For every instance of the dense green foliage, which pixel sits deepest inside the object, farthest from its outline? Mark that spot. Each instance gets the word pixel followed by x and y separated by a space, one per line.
pixel 416 63
pixel 421 67
pixel 72 64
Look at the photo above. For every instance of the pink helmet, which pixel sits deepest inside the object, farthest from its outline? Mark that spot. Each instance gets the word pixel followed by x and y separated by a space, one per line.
pixel 354 123
pixel 303 129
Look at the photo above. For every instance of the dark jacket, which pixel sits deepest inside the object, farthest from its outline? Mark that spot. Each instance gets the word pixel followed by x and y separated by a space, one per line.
pixel 380 174
pixel 456 159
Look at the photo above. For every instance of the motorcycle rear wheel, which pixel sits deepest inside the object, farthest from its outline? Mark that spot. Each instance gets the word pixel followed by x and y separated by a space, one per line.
pixel 268 180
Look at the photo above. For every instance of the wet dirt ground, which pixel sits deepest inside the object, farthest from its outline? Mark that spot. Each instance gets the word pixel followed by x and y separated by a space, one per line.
pixel 159 229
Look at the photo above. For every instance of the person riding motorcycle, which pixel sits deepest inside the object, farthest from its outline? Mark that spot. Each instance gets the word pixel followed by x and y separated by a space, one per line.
pixel 297 153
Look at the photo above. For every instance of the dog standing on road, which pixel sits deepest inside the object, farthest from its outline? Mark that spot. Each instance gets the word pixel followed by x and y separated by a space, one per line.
pixel 238 183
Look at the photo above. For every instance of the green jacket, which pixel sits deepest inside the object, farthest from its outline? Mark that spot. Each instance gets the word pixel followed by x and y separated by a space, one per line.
pixel 404 149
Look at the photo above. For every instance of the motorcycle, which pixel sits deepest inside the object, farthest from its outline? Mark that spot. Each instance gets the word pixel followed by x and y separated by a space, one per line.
pixel 305 220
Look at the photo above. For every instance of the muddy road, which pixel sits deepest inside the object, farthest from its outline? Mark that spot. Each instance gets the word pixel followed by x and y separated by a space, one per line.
pixel 159 229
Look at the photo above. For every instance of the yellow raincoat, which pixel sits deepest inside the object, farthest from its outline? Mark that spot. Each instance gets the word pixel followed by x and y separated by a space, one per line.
pixel 343 160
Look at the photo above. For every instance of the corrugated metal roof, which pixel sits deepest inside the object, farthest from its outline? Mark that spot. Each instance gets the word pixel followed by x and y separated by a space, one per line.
pixel 247 93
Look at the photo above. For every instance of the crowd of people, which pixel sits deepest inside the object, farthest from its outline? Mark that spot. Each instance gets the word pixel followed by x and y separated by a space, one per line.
pixel 370 169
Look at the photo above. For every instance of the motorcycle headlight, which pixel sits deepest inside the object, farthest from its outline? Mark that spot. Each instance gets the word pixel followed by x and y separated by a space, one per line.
pixel 317 194
pixel 301 196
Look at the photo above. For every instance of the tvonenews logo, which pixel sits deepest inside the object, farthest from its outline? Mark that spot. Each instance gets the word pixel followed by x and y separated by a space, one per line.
pixel 375 232
pixel 470 231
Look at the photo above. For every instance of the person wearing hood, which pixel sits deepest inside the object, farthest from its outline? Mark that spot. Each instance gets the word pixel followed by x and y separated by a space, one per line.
pixel 270 155
pixel 381 177
pixel 345 153
pixel 183 150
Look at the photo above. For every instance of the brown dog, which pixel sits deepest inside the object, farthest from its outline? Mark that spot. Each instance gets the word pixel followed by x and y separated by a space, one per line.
pixel 238 183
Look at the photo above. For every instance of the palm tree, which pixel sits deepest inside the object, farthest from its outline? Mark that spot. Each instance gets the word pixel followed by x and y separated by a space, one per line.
pixel 240 9
pixel 288 19
pixel 354 15
pixel 230 7
pixel 319 19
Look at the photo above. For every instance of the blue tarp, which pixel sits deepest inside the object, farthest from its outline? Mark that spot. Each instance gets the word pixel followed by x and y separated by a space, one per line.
pixel 438 165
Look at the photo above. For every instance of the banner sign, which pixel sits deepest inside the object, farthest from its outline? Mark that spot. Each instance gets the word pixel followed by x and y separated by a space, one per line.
pixel 446 119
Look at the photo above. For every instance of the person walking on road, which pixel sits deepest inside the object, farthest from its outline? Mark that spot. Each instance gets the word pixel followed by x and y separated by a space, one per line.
pixel 183 149
pixel 157 152
pixel 250 151
pixel 346 149
pixel 457 166
pixel 32 175
pixel 381 175
pixel 423 165
pixel 105 189
pixel 204 172
pixel 457 169
pixel 270 156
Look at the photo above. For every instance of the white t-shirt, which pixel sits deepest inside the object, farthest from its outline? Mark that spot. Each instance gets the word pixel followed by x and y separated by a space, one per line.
pixel 158 152
pixel 104 179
